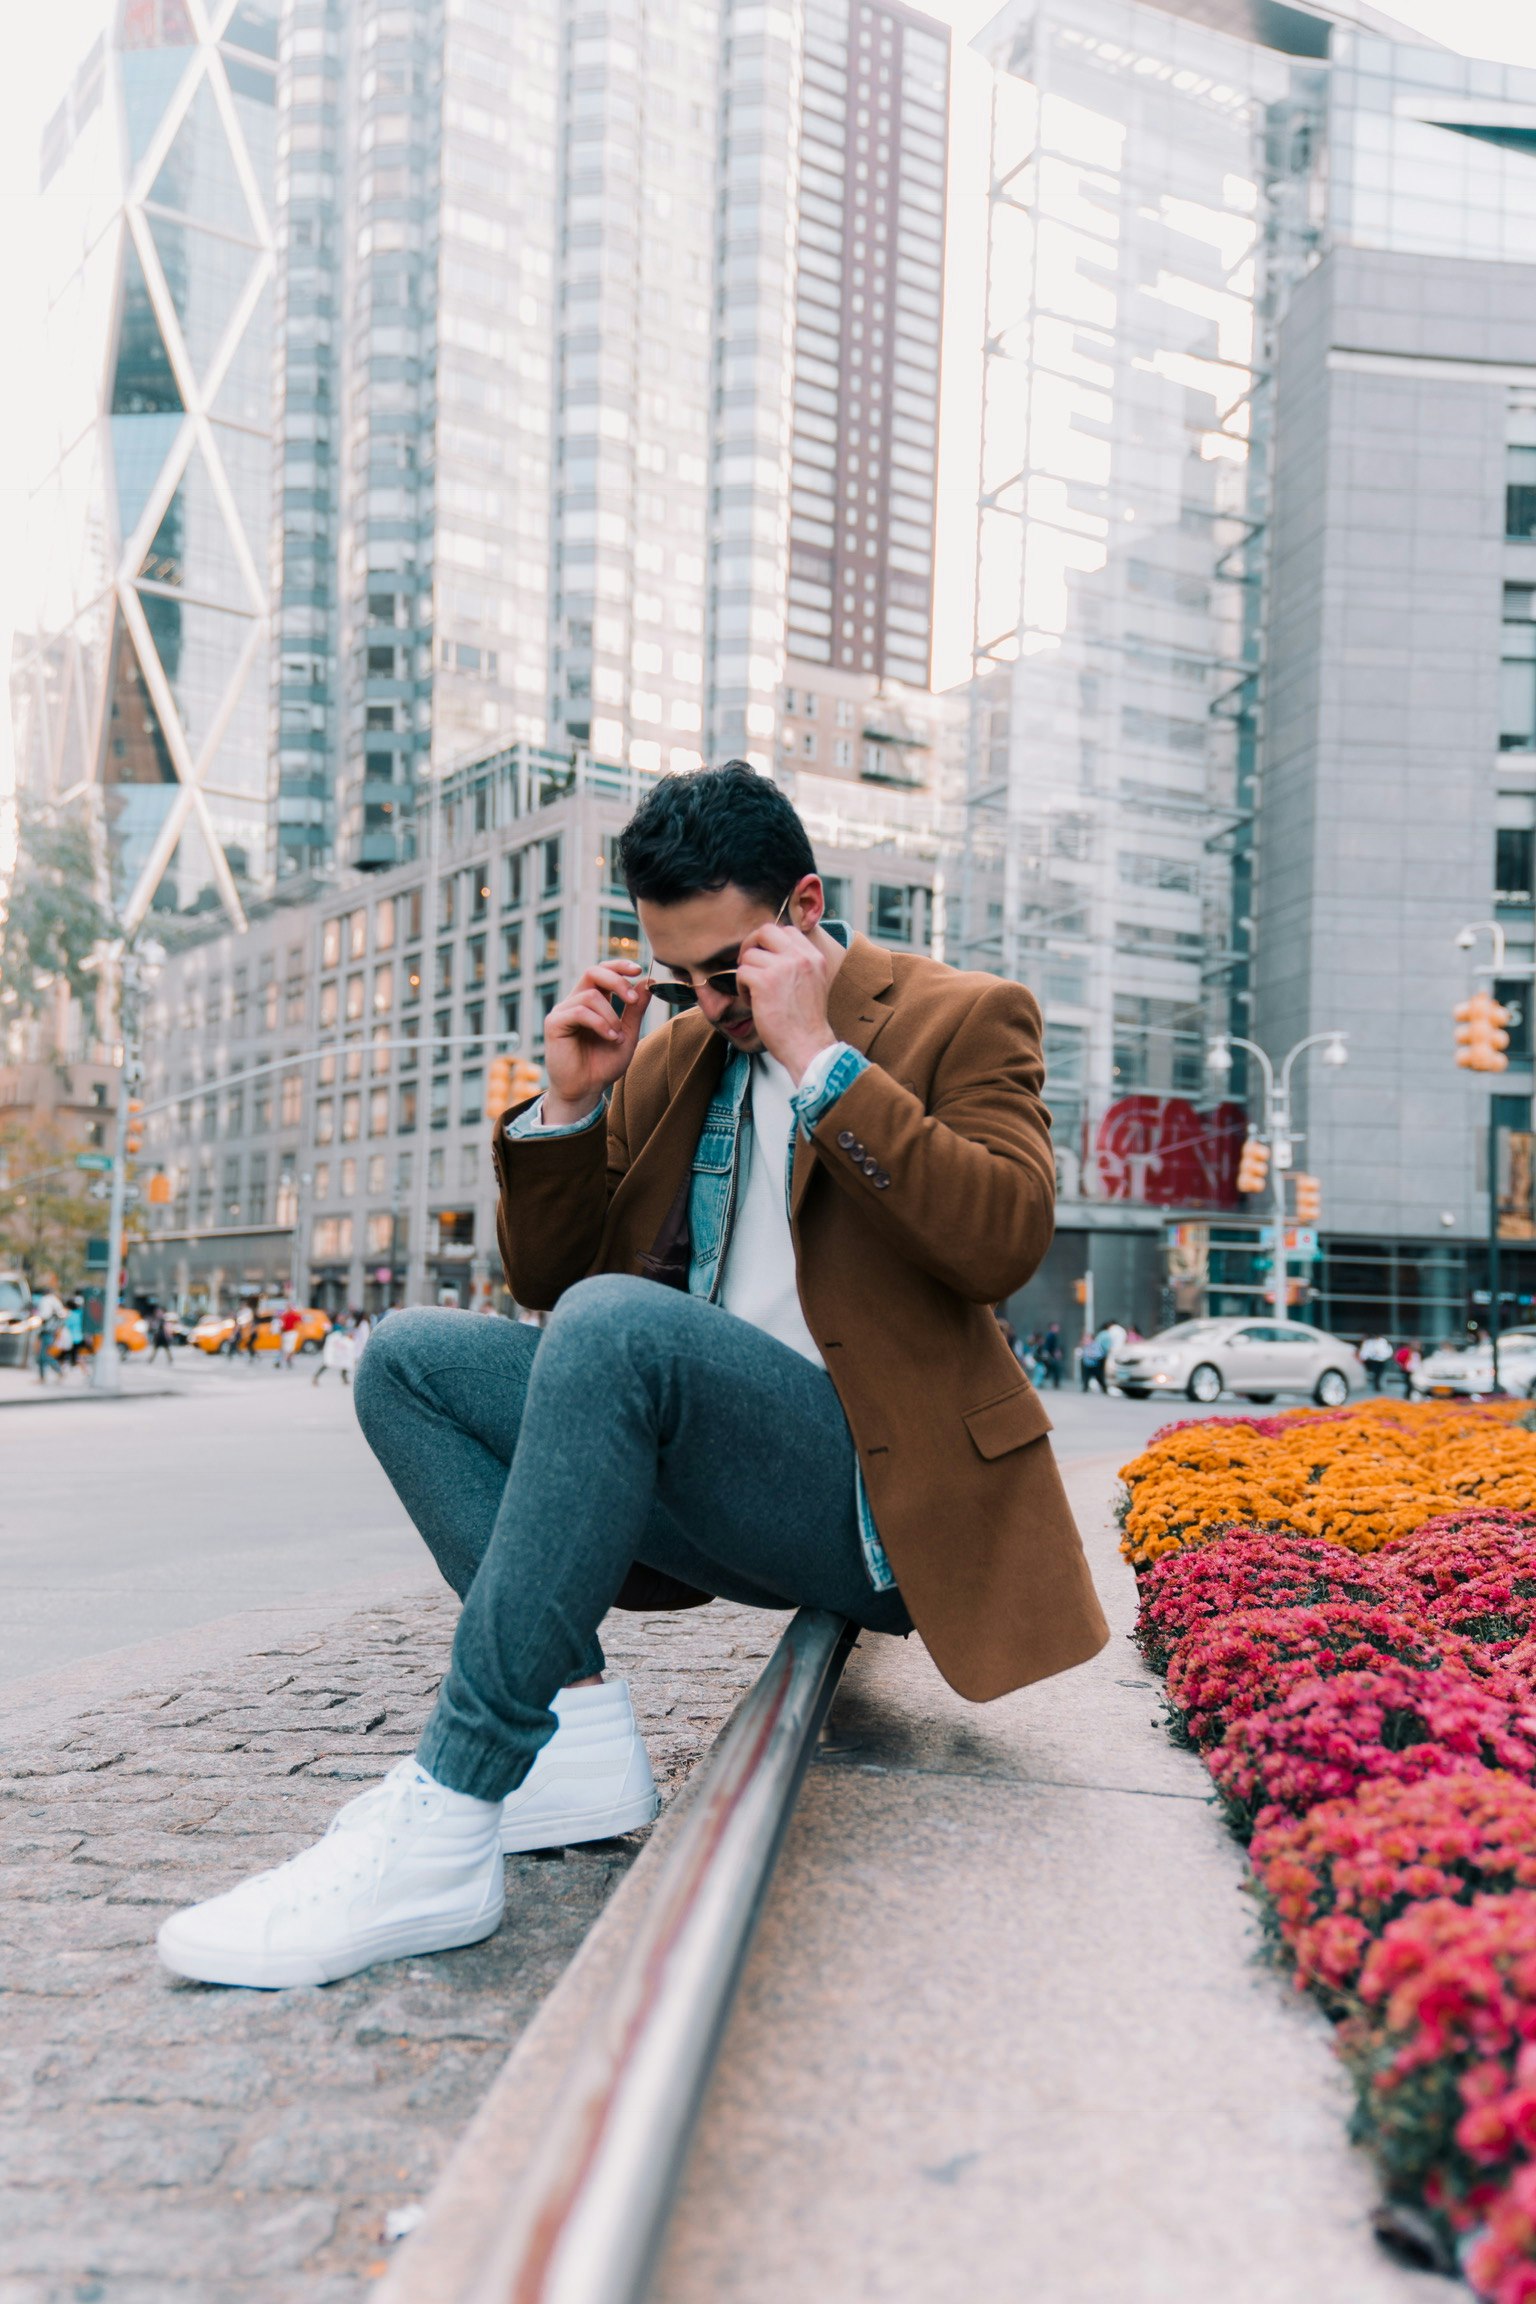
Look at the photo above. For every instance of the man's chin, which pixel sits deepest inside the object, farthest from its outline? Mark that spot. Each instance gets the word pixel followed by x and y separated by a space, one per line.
pixel 746 1040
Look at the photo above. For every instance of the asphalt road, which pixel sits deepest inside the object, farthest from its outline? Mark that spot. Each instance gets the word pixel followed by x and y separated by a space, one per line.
pixel 212 1490
pixel 223 1490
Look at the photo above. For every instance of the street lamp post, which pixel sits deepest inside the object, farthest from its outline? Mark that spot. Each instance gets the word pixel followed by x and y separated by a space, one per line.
pixel 136 971
pixel 1277 1132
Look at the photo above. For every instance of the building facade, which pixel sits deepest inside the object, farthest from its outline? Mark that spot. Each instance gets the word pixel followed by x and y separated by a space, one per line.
pixel 1398 804
pixel 542 386
pixel 140 689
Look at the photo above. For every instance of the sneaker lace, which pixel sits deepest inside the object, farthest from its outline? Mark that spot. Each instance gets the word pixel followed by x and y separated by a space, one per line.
pixel 353 1852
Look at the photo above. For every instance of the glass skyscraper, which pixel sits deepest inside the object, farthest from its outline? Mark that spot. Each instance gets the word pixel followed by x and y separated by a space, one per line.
pixel 141 687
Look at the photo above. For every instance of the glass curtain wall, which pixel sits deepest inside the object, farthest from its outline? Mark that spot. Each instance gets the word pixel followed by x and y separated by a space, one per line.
pixel 142 687
pixel 1113 643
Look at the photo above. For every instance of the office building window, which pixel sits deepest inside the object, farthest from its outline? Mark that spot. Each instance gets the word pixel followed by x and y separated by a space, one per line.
pixel 384 925
pixel 330 944
pixel 549 854
pixel 378 1112
pixel 351 1118
pixel 440 1101
pixel 512 1016
pixel 406 1124
pixel 411 904
pixel 894 913
pixel 1517 692
pixel 621 936
pixel 471 1098
pixel 1520 491
pixel 1514 856
pixel 547 947
pixel 512 949
pixel 512 878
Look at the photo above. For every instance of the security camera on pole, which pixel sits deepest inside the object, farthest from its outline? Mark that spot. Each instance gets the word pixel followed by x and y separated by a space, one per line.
pixel 1268 1153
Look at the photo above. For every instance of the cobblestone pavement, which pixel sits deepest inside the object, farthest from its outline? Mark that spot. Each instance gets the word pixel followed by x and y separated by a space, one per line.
pixel 164 2140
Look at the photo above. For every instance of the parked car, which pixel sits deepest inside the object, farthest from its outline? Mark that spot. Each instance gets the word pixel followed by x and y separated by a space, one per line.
pixel 1463 1371
pixel 1258 1359
pixel 19 1324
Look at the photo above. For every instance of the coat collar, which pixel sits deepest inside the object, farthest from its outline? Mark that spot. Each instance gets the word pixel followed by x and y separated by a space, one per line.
pixel 854 1004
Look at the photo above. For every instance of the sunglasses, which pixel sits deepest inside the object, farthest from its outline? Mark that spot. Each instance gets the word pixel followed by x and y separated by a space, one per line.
pixel 675 995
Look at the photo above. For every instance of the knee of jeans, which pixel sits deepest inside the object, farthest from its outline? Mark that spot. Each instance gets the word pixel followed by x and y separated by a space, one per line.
pixel 396 1351
pixel 603 1315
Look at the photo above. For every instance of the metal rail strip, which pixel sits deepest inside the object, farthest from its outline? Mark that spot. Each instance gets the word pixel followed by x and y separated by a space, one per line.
pixel 588 2219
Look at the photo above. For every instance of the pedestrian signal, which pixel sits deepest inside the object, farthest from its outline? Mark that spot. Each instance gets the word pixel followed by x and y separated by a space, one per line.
pixel 1480 1035
pixel 1253 1167
pixel 1080 1291
pixel 527 1080
pixel 160 1191
pixel 133 1140
pixel 1309 1199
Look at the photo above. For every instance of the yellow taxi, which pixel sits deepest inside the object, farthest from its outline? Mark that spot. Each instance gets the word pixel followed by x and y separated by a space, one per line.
pixel 217 1331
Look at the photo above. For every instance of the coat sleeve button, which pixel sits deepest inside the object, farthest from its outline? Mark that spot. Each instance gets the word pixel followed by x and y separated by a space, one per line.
pixel 880 1180
pixel 871 1166
pixel 845 1139
pixel 857 1149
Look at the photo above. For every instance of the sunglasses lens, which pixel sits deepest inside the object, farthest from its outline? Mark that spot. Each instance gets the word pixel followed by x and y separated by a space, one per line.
pixel 674 995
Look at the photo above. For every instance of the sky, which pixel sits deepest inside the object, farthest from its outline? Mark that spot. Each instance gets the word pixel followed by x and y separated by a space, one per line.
pixel 43 45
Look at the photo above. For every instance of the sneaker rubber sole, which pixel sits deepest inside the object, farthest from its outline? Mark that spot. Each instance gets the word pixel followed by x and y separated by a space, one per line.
pixel 259 1971
pixel 570 1830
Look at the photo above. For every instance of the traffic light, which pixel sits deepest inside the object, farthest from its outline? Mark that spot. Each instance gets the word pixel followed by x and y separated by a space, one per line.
pixel 510 1080
pixel 498 1087
pixel 133 1139
pixel 1253 1167
pixel 1480 1035
pixel 1309 1199
pixel 160 1191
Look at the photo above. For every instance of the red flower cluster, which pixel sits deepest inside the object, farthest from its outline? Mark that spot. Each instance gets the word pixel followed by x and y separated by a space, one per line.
pixel 1230 1666
pixel 1252 1569
pixel 1265 1426
pixel 1443 2052
pixel 1456 1548
pixel 1325 1738
pixel 1334 1878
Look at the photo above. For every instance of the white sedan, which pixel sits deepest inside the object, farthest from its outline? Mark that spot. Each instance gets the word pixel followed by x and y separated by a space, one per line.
pixel 1255 1358
pixel 1463 1372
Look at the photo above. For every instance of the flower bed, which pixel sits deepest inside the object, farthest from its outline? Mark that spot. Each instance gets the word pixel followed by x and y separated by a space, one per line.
pixel 1345 1609
pixel 1362 1477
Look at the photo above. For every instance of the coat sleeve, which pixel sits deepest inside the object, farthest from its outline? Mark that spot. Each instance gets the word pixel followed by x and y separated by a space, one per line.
pixel 965 1189
pixel 552 1200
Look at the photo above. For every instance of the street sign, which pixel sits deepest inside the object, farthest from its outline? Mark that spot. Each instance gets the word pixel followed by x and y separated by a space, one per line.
pixel 96 1250
pixel 100 1163
pixel 1301 1243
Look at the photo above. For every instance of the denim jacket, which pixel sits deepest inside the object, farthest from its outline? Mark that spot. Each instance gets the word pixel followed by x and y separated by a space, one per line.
pixel 718 1164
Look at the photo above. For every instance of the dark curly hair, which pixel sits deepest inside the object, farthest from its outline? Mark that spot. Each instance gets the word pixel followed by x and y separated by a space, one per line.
pixel 713 828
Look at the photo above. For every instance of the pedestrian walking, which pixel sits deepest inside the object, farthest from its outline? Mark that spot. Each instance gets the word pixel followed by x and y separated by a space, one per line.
pixel 1375 1356
pixel 338 1352
pixel 74 1331
pixel 50 1336
pixel 288 1335
pixel 1407 1357
pixel 827 1168
pixel 1097 1355
pixel 362 1329
pixel 159 1337
pixel 1051 1356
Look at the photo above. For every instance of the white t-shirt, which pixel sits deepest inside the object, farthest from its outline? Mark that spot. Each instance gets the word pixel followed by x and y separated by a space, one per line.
pixel 758 1283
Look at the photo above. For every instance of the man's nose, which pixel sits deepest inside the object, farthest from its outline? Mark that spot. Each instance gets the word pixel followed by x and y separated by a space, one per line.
pixel 714 1004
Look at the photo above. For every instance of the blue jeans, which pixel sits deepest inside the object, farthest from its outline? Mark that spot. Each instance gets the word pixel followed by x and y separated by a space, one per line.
pixel 643 1424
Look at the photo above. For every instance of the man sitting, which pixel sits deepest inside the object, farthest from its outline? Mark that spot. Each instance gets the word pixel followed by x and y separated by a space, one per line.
pixel 771 1235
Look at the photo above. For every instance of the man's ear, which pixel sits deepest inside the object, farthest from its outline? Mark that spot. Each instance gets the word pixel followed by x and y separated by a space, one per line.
pixel 808 904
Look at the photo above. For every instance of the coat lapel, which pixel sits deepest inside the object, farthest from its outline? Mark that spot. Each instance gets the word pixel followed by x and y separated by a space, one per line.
pixel 858 1012
pixel 663 1157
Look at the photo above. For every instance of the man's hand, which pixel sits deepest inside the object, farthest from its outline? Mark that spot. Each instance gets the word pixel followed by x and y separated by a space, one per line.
pixel 586 1046
pixel 786 978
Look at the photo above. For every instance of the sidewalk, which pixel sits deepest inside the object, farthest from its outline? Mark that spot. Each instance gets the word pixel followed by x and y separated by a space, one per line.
pixel 162 2140
pixel 1003 2032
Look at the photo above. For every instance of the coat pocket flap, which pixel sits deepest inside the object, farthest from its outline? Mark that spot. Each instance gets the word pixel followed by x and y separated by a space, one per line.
pixel 1009 1422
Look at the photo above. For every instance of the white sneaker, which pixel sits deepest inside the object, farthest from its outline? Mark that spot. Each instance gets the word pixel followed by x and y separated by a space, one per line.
pixel 592 1779
pixel 408 1866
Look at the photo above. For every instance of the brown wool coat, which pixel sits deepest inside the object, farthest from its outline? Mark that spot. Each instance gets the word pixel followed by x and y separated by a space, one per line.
pixel 924 1197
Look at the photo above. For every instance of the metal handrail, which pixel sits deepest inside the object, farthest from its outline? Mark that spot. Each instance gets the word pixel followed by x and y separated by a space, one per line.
pixel 587 2221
